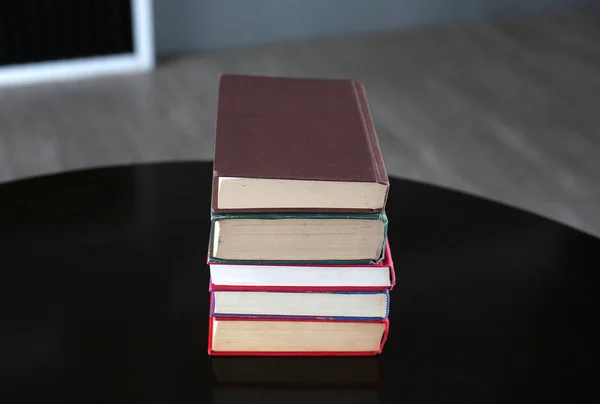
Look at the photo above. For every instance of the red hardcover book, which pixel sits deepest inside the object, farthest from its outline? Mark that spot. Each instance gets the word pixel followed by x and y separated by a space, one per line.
pixel 259 338
pixel 305 278
pixel 296 145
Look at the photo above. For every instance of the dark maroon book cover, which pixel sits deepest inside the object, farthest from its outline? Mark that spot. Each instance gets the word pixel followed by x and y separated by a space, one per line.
pixel 296 129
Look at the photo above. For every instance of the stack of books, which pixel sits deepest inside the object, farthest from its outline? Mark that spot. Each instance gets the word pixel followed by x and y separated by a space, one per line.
pixel 298 253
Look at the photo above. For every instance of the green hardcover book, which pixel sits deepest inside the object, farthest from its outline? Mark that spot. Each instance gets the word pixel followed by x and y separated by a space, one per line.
pixel 272 238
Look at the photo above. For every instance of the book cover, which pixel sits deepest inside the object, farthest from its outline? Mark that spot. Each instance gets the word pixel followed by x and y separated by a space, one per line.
pixel 296 317
pixel 295 129
pixel 293 353
pixel 387 261
pixel 381 216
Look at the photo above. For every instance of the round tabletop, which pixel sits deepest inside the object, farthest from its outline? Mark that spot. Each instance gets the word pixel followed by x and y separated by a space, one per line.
pixel 105 298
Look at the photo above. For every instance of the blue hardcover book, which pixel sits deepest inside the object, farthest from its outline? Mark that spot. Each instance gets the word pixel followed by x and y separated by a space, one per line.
pixel 359 306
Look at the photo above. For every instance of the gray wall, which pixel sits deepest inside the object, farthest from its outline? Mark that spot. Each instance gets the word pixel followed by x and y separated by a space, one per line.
pixel 207 25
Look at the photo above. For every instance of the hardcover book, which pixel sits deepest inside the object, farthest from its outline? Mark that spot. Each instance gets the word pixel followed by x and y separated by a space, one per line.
pixel 296 145
pixel 364 306
pixel 301 278
pixel 298 238
pixel 295 337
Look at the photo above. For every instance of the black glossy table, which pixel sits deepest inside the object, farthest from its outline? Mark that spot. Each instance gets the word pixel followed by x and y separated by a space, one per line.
pixel 104 299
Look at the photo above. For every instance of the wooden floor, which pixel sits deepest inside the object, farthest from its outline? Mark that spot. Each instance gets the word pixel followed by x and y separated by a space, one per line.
pixel 510 112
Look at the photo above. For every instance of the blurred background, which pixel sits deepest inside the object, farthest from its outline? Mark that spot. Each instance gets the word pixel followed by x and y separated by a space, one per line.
pixel 499 98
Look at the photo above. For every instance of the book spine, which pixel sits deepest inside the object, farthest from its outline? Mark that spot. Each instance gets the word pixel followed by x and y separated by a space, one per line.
pixel 387 304
pixel 385 335
pixel 370 134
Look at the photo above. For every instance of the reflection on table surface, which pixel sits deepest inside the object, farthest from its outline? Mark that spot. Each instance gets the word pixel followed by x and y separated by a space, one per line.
pixel 295 379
